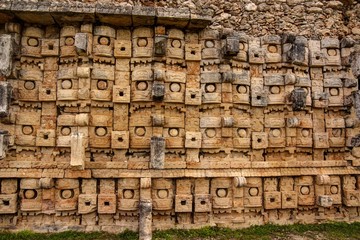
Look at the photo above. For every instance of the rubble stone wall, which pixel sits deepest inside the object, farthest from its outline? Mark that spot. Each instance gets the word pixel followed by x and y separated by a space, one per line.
pixel 132 116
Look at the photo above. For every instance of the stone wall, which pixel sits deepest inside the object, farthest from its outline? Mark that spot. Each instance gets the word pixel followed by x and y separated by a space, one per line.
pixel 143 117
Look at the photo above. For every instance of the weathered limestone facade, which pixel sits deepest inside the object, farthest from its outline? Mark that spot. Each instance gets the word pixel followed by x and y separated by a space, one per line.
pixel 128 115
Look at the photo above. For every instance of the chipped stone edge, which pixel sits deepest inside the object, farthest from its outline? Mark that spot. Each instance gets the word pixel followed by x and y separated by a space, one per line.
pixel 156 15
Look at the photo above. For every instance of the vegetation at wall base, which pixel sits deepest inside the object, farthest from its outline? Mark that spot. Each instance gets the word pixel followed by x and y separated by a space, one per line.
pixel 334 230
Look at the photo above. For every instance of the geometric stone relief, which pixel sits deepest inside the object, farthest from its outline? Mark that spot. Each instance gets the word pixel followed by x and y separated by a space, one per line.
pixel 185 128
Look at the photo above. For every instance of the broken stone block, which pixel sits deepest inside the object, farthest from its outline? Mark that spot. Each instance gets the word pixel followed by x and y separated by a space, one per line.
pixel 298 98
pixel 227 77
pixel 227 121
pixel 6 49
pixel 5 98
pixel 356 100
pixel 232 45
pixel 160 45
pixel 355 141
pixel 158 91
pixel 159 75
pixel 355 63
pixel 4 142
pixel 295 50
pixel 292 122
pixel 81 43
pixel 347 42
pixel 350 82
pixel 158 120
pixel 78 144
pixel 157 152
pixel 274 80
pixel 145 220
pixel 324 201
pixel 346 45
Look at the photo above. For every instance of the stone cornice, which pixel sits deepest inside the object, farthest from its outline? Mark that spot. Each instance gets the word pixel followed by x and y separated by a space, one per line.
pixel 48 13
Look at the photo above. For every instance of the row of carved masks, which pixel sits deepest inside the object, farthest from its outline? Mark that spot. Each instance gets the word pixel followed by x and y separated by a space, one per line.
pixel 206 195
pixel 107 42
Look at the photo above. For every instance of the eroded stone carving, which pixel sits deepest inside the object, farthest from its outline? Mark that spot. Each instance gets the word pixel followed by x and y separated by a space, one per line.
pixel 127 124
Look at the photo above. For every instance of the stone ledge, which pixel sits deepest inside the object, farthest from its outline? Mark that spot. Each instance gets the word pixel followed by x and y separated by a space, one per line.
pixel 123 16
pixel 175 173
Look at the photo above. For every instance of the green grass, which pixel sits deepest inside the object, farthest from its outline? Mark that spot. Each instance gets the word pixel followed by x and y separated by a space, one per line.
pixel 334 231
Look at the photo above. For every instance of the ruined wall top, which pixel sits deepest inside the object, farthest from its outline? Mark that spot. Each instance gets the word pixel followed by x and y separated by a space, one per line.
pixel 312 19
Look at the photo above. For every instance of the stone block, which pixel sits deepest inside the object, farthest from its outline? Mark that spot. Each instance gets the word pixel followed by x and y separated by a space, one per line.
pixel 298 98
pixel 202 203
pixel 4 143
pixel 78 145
pixel 259 140
pixel 272 200
pixel 157 151
pixel 193 96
pixel 5 98
pixel 120 139
pixel 8 203
pixel 158 91
pixel 87 203
pixel 183 203
pixel 193 140
pixel 232 45
pixel 122 49
pixel 6 51
pixel 289 199
pixel 324 201
pixel 106 203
